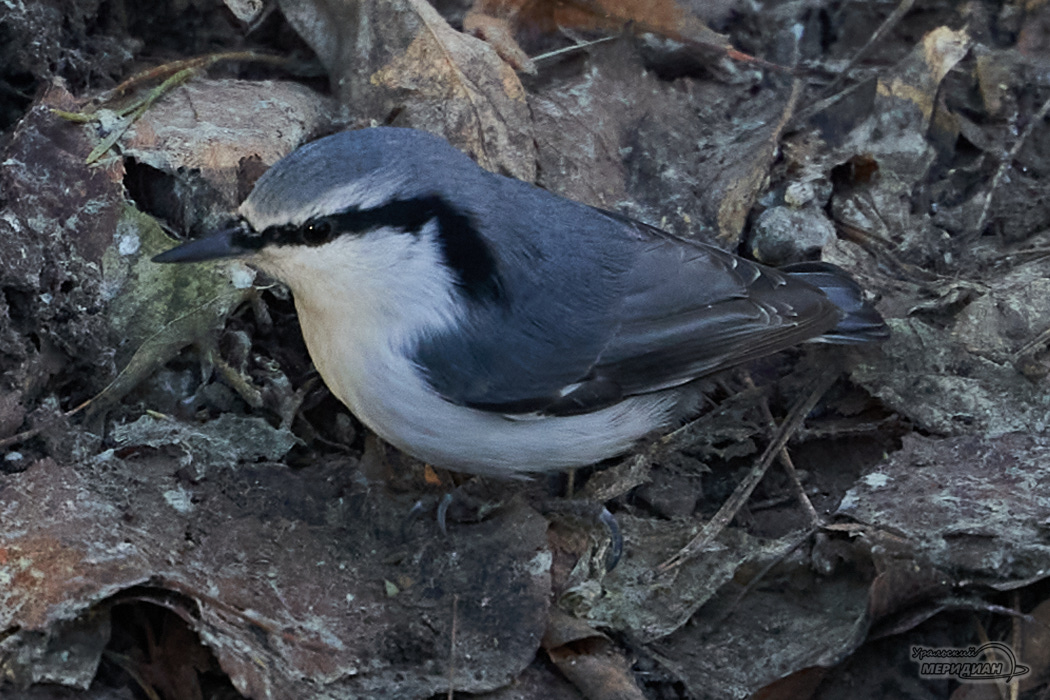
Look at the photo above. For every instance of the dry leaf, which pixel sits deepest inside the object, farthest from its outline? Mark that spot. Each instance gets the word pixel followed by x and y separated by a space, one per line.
pixel 589 659
pixel 744 178
pixel 664 17
pixel 402 58
pixel 918 78
pixel 461 80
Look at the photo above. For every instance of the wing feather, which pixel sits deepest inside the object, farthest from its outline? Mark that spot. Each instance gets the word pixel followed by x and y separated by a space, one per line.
pixel 623 309
pixel 690 310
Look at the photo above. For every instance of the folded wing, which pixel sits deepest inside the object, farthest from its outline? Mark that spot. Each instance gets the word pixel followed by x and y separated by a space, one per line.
pixel 664 313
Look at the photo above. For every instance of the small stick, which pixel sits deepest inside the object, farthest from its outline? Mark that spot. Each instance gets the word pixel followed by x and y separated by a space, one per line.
pixel 743 491
pixel 1000 173
pixel 452 647
pixel 785 460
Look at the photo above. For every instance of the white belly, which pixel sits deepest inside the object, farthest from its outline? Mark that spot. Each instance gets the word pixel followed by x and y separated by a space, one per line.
pixel 361 313
pixel 389 395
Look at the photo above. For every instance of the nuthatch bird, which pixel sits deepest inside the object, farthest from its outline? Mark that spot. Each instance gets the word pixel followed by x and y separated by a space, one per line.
pixel 485 325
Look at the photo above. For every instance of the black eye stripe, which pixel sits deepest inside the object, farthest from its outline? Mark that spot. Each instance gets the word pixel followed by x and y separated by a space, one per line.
pixel 406 214
pixel 465 251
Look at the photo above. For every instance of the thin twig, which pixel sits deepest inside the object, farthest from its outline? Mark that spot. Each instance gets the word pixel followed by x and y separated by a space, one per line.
pixel 1030 346
pixel 736 501
pixel 452 647
pixel 1000 173
pixel 785 460
pixel 196 63
pixel 888 24
pixel 33 432
pixel 1016 642
pixel 137 109
pixel 174 74
pixel 575 47
pixel 800 540
pixel 883 253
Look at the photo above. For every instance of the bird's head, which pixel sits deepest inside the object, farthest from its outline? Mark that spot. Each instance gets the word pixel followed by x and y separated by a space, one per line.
pixel 375 204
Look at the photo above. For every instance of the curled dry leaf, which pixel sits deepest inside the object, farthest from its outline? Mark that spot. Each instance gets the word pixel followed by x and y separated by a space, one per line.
pixel 212 128
pixel 919 77
pixel 589 659
pixel 402 57
pixel 284 576
pixel 664 17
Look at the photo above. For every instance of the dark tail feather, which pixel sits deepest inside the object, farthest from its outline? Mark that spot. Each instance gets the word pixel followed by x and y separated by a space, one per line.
pixel 860 323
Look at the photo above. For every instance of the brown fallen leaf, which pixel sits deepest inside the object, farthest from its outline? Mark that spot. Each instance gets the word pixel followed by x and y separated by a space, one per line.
pixel 462 82
pixel 918 78
pixel 664 17
pixel 745 178
pixel 499 34
pixel 589 659
pixel 400 61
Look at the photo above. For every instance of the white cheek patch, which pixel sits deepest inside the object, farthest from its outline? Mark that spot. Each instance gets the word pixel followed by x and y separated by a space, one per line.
pixel 385 280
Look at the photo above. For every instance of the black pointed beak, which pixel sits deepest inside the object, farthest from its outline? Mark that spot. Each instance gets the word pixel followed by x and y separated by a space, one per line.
pixel 222 244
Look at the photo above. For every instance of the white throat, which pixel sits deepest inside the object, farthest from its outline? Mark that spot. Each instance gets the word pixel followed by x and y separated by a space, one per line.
pixel 363 302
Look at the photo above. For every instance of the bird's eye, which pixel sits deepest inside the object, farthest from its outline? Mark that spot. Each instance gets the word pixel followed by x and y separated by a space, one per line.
pixel 317 232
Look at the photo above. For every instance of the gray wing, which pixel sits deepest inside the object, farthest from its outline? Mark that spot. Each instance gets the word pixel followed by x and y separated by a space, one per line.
pixel 623 309
pixel 690 310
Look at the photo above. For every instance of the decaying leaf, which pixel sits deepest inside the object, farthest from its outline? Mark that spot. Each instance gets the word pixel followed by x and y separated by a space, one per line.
pixel 589 659
pixel 402 57
pixel 744 178
pixel 461 81
pixel 918 79
pixel 284 576
pixel 648 609
pixel 664 17
pixel 973 506
pixel 162 309
pixel 918 376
